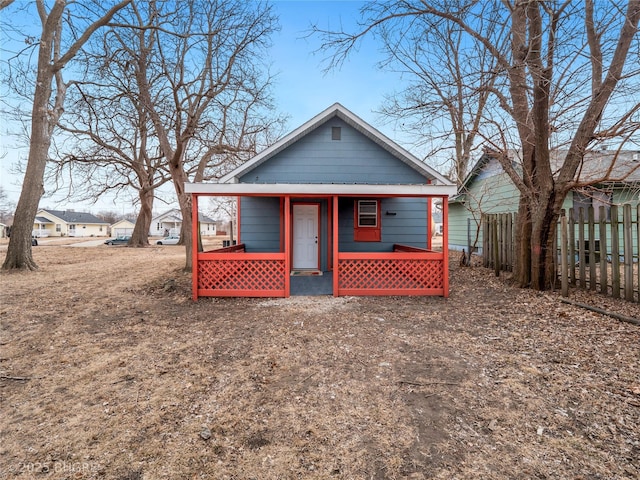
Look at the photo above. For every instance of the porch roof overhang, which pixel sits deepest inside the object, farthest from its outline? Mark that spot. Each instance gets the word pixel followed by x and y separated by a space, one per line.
pixel 320 189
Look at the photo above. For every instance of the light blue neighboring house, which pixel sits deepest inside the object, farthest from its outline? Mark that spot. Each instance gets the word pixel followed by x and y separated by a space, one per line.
pixel 488 189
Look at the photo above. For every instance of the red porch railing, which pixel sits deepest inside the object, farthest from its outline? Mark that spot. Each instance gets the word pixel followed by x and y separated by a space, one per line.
pixel 406 271
pixel 231 272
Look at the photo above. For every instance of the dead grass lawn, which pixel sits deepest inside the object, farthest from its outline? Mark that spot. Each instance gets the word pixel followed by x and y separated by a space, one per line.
pixel 109 371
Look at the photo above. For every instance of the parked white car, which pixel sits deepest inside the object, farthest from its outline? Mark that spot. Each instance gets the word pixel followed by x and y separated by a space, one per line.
pixel 170 240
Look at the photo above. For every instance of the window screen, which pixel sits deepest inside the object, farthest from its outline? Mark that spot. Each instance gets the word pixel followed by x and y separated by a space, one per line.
pixel 367 213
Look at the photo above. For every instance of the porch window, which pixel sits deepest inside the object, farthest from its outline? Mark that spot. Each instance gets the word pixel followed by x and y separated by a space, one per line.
pixel 367 221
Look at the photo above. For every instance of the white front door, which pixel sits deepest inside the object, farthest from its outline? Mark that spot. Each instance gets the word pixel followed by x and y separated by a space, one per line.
pixel 305 236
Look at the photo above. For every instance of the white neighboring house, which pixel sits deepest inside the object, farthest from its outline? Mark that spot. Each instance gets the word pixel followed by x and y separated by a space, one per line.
pixel 68 223
pixel 169 223
pixel 122 227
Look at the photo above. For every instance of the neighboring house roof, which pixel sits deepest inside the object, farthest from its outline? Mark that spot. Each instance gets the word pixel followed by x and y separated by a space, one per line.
pixel 172 215
pixel 596 165
pixel 42 220
pixel 69 216
pixel 175 215
pixel 123 222
pixel 337 110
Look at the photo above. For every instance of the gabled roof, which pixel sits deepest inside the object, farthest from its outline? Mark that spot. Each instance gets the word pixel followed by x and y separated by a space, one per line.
pixel 337 110
pixel 123 221
pixel 175 215
pixel 69 216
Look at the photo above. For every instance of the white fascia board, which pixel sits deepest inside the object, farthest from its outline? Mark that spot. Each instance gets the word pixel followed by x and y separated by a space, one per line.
pixel 306 189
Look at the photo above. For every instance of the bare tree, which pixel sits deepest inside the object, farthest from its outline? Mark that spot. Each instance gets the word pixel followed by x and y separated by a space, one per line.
pixel 114 147
pixel 569 80
pixel 49 90
pixel 209 104
pixel 448 81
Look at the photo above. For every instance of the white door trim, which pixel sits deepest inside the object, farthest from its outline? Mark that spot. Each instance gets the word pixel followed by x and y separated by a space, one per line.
pixel 305 245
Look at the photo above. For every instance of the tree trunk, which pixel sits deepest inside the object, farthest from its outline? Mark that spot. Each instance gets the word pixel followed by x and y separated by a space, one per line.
pixel 179 177
pixel 19 254
pixel 543 274
pixel 186 239
pixel 140 236
pixel 522 270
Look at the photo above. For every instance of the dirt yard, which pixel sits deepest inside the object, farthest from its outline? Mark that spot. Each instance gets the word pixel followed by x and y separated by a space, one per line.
pixel 108 370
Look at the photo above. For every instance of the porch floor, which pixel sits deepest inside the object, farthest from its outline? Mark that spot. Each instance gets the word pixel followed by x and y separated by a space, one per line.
pixel 312 284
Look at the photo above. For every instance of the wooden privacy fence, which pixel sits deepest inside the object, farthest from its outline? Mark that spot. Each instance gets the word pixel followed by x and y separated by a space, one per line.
pixel 598 253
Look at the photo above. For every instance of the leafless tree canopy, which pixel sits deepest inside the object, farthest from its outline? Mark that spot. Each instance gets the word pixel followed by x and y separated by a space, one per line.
pixel 36 73
pixel 201 80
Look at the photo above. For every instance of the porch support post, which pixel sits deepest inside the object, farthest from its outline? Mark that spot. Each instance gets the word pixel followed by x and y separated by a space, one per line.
pixel 287 246
pixel 334 245
pixel 445 243
pixel 429 224
pixel 194 246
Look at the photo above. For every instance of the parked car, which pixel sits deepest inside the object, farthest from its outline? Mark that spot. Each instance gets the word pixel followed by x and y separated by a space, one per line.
pixel 119 240
pixel 170 240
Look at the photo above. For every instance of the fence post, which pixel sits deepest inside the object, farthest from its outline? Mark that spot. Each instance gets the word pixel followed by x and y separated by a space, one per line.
pixel 581 255
pixel 592 247
pixel 638 245
pixel 628 252
pixel 615 253
pixel 604 277
pixel 564 270
pixel 485 240
pixel 467 260
pixel 572 243
pixel 496 246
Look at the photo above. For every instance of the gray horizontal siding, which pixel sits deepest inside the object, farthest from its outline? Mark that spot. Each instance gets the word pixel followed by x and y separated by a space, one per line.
pixel 260 224
pixel 316 158
pixel 408 226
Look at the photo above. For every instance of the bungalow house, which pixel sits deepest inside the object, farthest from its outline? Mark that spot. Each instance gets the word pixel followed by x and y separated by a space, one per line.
pixel 122 227
pixel 334 207
pixel 488 189
pixel 68 223
pixel 170 223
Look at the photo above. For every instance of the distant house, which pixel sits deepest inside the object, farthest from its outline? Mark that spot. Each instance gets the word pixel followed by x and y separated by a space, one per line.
pixel 122 227
pixel 169 223
pixel 68 223
pixel 488 189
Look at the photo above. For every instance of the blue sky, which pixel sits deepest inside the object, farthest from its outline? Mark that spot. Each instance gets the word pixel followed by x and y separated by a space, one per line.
pixel 302 89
